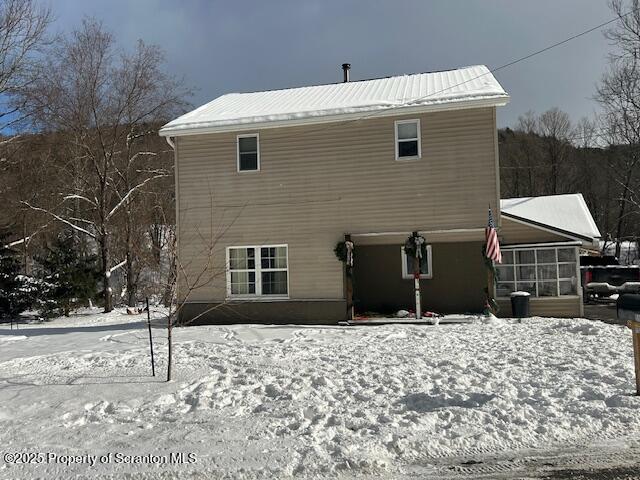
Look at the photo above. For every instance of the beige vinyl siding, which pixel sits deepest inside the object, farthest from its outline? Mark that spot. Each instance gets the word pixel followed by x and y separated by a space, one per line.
pixel 569 306
pixel 318 182
pixel 512 232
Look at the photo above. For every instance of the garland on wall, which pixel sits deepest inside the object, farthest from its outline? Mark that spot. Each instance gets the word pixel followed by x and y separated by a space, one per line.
pixel 489 263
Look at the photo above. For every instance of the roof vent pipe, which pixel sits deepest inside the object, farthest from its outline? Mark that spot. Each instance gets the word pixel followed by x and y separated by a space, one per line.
pixel 345 70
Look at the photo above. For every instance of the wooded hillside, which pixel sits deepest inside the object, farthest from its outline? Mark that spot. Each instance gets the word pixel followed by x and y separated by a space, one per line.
pixel 532 164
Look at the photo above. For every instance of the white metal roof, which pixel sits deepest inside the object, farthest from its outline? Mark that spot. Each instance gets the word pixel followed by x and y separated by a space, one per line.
pixel 462 88
pixel 565 213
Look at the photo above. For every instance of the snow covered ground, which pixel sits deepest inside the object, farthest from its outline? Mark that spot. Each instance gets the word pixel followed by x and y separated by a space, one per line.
pixel 256 401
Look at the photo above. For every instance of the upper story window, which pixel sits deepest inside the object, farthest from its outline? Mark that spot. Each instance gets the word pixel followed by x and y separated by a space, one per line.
pixel 408 139
pixel 248 153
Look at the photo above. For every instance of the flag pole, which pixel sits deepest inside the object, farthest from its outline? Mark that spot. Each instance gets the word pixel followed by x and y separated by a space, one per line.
pixel 492 246
pixel 416 286
pixel 491 287
pixel 418 241
pixel 490 276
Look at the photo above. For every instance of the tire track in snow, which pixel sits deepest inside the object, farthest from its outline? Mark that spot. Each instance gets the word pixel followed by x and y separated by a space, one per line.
pixel 537 462
pixel 540 464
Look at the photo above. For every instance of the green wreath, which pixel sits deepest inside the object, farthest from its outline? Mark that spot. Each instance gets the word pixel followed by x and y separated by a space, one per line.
pixel 341 251
pixel 410 245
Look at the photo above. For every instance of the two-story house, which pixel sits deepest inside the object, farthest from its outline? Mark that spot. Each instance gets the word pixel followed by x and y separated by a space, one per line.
pixel 267 184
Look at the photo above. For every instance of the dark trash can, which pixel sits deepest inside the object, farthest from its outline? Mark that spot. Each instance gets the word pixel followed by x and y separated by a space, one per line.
pixel 520 304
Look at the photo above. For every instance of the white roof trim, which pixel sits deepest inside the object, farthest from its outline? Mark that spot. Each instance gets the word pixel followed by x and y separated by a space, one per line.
pixel 198 129
pixel 516 246
pixel 421 232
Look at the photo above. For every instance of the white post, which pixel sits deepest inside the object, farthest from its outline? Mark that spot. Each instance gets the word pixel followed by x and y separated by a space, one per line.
pixel 416 284
pixel 417 259
pixel 416 281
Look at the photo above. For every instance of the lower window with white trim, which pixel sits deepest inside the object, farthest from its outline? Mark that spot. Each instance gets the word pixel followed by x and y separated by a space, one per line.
pixel 258 271
pixel 425 265
pixel 543 272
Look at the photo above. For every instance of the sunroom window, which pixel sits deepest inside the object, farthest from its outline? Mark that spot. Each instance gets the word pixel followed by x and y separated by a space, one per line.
pixel 248 153
pixel 543 272
pixel 257 271
pixel 408 139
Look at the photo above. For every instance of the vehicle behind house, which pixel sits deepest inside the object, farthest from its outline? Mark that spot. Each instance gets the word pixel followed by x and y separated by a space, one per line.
pixel 604 282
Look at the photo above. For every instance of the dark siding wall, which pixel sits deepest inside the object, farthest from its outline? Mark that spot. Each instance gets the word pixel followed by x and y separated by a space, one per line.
pixel 284 312
pixel 457 286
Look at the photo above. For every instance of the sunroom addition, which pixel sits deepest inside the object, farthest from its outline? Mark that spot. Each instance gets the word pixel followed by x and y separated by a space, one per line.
pixel 550 270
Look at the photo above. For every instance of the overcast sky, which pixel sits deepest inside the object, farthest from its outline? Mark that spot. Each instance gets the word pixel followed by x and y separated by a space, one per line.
pixel 240 46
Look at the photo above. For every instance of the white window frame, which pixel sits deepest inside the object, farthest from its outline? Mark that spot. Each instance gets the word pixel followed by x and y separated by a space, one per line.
pixel 398 140
pixel 535 265
pixel 247 135
pixel 258 271
pixel 409 275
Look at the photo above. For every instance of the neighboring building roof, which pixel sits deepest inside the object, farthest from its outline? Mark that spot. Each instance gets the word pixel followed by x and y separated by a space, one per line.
pixel 566 214
pixel 462 88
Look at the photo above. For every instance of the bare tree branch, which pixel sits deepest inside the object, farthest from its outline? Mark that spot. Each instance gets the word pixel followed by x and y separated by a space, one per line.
pixel 60 219
pixel 117 266
pixel 130 193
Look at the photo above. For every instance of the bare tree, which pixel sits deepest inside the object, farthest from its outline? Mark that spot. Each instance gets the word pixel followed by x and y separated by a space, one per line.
pixel 23 29
pixel 529 148
pixel 583 168
pixel 28 174
pixel 555 128
pixel 625 34
pixel 146 158
pixel 106 102
pixel 187 276
pixel 510 164
pixel 521 158
pixel 23 35
pixel 619 96
pixel 585 133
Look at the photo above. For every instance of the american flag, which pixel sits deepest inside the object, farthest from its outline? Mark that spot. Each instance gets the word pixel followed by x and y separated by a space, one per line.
pixel 493 245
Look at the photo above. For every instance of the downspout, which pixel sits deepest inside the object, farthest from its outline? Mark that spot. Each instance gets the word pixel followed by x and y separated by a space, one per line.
pixel 172 144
